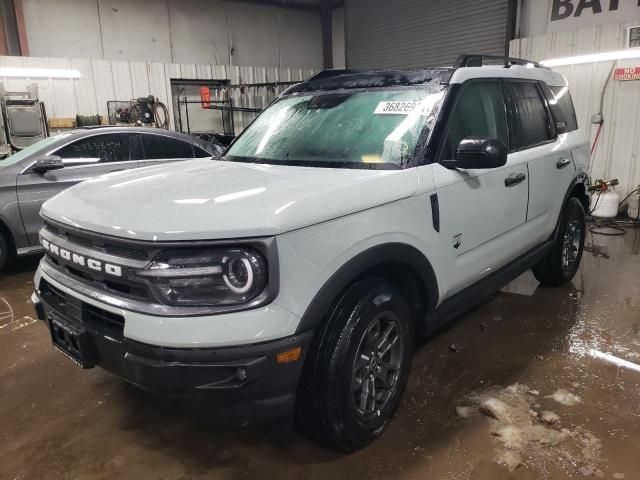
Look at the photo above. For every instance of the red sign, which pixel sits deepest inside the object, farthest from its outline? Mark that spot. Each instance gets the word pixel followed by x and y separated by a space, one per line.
pixel 205 96
pixel 625 74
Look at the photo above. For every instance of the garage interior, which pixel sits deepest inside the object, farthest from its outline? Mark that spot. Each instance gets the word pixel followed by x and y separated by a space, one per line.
pixel 569 357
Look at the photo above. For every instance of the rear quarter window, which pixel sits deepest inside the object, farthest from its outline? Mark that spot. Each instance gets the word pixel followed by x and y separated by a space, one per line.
pixel 561 106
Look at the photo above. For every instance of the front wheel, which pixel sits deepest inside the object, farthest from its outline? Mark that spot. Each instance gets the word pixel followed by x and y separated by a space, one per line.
pixel 562 262
pixel 358 366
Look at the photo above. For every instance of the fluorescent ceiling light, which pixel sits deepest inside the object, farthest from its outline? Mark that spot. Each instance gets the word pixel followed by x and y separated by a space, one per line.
pixel 39 72
pixel 595 57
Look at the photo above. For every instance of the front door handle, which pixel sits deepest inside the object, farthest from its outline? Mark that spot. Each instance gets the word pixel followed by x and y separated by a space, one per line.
pixel 514 179
pixel 563 162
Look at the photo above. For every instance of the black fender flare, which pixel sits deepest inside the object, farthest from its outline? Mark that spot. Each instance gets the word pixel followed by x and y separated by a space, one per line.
pixel 375 256
pixel 581 178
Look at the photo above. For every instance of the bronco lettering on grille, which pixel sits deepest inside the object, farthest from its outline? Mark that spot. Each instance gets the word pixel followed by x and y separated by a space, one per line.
pixel 81 260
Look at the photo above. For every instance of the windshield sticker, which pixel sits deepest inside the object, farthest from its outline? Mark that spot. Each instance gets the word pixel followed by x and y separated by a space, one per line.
pixel 396 108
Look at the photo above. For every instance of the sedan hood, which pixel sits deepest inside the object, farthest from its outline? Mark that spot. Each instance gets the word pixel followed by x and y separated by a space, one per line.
pixel 207 199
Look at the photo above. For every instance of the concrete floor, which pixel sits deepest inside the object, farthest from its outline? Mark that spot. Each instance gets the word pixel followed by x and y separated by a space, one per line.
pixel 57 421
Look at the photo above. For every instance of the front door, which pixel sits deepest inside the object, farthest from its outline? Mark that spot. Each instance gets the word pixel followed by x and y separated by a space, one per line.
pixel 85 158
pixel 482 211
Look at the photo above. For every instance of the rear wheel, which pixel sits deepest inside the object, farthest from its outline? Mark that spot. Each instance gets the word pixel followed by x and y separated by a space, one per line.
pixel 358 367
pixel 562 262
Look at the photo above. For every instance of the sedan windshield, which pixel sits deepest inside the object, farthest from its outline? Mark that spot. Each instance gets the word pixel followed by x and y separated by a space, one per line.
pixel 377 128
pixel 38 147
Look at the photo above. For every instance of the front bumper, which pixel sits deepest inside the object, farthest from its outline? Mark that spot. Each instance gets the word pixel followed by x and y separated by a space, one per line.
pixel 242 384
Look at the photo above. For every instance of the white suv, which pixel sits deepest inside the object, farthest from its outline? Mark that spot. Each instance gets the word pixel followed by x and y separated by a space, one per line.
pixel 358 211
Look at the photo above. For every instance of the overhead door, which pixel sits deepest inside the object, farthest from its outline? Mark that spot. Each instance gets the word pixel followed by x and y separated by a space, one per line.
pixel 422 33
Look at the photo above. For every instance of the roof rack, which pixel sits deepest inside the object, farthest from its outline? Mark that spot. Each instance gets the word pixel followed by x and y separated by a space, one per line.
pixel 478 60
pixel 331 72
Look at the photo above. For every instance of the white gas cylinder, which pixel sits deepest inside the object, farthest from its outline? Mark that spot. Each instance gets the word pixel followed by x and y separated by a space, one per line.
pixel 604 204
pixel 634 206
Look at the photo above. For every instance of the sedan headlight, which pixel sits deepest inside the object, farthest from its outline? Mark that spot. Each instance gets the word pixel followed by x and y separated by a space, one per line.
pixel 207 277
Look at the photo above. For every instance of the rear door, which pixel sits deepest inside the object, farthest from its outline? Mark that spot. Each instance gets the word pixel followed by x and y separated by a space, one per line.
pixel 482 211
pixel 84 158
pixel 535 140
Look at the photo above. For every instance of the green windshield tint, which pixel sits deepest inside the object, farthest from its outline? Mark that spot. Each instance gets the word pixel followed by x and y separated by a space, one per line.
pixel 367 127
pixel 31 149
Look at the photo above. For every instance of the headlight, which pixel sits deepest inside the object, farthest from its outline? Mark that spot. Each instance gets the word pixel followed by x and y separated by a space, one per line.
pixel 207 277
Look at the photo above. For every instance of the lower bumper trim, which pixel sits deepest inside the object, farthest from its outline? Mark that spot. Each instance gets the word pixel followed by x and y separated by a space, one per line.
pixel 245 379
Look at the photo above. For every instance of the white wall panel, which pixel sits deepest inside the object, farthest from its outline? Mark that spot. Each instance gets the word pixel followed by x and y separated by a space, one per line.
pixel 121 73
pixel 618 151
pixel 536 15
pixel 139 79
pixel 292 26
pixel 199 31
pixel 70 26
pixel 62 90
pixel 133 30
pixel 258 45
pixel 104 88
pixel 185 31
pixel 105 80
pixel 85 91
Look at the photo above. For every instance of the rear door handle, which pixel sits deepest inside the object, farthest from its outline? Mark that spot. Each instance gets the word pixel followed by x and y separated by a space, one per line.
pixel 514 179
pixel 563 162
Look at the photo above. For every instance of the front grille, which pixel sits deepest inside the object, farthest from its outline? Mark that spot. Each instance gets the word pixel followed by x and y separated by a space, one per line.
pixel 125 253
pixel 79 312
pixel 98 243
pixel 138 291
pixel 98 315
pixel 57 295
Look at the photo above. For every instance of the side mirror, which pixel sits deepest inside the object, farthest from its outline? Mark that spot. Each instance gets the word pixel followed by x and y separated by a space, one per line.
pixel 46 163
pixel 479 152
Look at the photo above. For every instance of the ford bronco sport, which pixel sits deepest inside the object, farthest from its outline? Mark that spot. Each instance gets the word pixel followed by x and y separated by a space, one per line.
pixel 358 211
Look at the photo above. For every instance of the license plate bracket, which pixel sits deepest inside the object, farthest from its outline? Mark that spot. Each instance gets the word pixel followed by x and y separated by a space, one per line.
pixel 71 340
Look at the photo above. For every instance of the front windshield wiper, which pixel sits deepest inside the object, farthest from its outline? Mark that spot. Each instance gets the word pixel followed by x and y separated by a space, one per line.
pixel 315 163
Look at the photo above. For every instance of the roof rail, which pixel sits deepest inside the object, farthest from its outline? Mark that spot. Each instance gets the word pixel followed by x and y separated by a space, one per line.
pixel 332 72
pixel 478 60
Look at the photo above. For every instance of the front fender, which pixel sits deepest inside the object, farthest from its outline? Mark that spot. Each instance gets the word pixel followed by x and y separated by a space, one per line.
pixel 318 262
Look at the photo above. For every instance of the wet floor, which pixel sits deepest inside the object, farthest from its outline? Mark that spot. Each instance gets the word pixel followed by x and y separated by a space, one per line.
pixel 535 383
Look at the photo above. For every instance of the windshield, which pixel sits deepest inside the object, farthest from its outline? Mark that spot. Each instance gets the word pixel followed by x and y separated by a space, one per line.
pixel 31 149
pixel 376 128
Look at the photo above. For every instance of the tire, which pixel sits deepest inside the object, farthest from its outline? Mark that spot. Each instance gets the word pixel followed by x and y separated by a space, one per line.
pixel 327 408
pixel 5 254
pixel 562 262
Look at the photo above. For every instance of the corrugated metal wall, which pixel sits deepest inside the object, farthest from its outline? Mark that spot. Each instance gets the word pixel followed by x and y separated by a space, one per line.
pixel 422 33
pixel 104 80
pixel 618 151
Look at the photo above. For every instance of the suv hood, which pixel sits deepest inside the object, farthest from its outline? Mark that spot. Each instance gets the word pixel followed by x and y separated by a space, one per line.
pixel 207 199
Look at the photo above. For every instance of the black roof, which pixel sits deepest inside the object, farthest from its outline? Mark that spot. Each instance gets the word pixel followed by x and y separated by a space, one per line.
pixel 341 79
pixel 344 78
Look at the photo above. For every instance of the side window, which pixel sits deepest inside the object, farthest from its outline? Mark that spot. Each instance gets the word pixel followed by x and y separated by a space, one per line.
pixel 531 124
pixel 161 147
pixel 200 153
pixel 110 147
pixel 479 112
pixel 561 106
